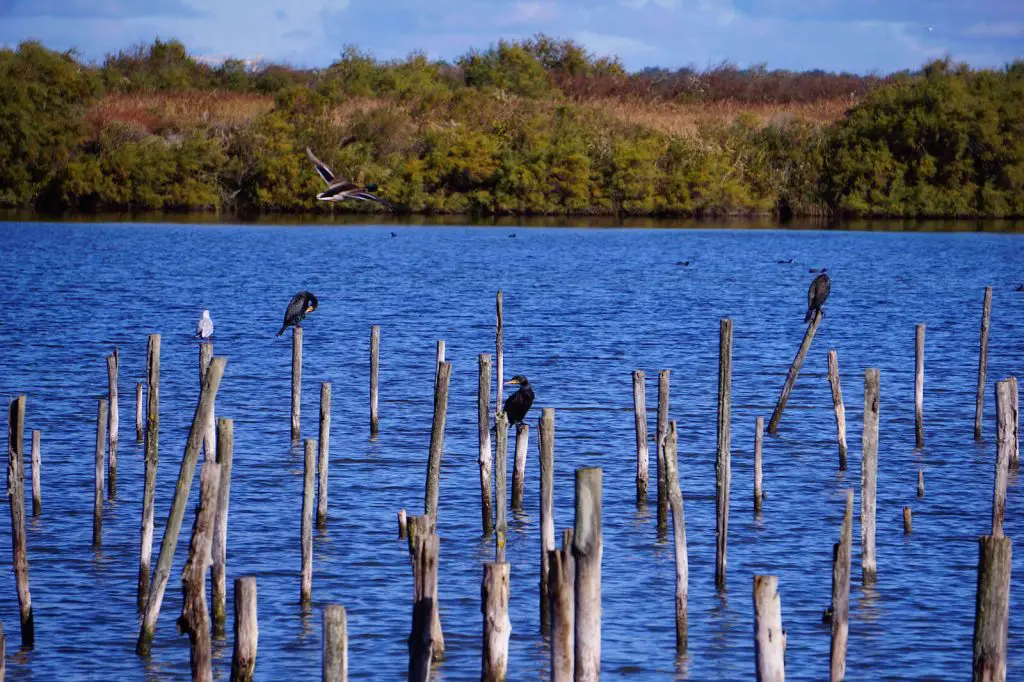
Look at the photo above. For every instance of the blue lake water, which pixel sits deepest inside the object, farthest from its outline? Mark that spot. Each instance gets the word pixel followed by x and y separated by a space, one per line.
pixel 583 308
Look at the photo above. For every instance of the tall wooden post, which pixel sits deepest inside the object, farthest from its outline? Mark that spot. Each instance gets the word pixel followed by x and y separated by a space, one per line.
pixel 794 370
pixel 640 419
pixel 444 374
pixel 483 410
pixel 837 404
pixel 986 316
pixel 247 631
pixel 152 449
pixel 561 588
pixel 497 626
pixel 588 548
pixel 662 426
pixel 758 445
pixel 1004 452
pixel 769 637
pixel 335 646
pixel 992 608
pixel 16 497
pixel 296 382
pixel 112 423
pixel 919 386
pixel 675 498
pixel 101 451
pixel 499 355
pixel 218 575
pixel 547 509
pixel 323 457
pixel 841 553
pixel 519 464
pixel 374 377
pixel 210 432
pixel 309 473
pixel 500 489
pixel 723 466
pixel 869 476
pixel 138 411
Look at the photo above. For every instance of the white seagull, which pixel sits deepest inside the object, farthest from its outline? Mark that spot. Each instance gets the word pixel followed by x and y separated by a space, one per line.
pixel 204 328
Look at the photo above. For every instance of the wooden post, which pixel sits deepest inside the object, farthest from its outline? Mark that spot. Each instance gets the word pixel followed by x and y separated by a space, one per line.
pixel 841 554
pixel 247 631
pixel 420 527
pixel 986 316
pixel 640 418
pixel 663 402
pixel 324 454
pixel 177 513
pixel 547 509
pixel 210 435
pixel 561 588
pixel 723 465
pixel 837 405
pixel 906 520
pixel 16 497
pixel 3 653
pixel 1004 450
pixel 1015 422
pixel 97 497
pixel 113 424
pixel 335 651
pixel 37 494
pixel 497 626
pixel 769 637
pixel 675 497
pixel 439 360
pixel 483 411
pixel 152 449
pixel 374 372
pixel 992 608
pixel 519 467
pixel 309 473
pixel 499 355
pixel 138 411
pixel 500 489
pixel 794 370
pixel 444 374
pixel 424 563
pixel 758 444
pixel 869 476
pixel 296 382
pixel 218 575
pixel 920 482
pixel 195 616
pixel 402 524
pixel 587 550
pixel 919 386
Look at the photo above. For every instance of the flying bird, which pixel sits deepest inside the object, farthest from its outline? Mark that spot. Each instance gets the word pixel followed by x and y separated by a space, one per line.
pixel 204 327
pixel 817 294
pixel 339 189
pixel 518 404
pixel 301 304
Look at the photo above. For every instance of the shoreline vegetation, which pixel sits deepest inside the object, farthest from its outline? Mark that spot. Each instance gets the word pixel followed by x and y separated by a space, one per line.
pixel 521 129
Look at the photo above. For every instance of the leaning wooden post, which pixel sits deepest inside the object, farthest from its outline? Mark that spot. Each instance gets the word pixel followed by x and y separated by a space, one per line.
pixel 986 316
pixel 1004 449
pixel 483 415
pixel 113 425
pixel 374 371
pixel 662 428
pixel 247 631
pixel 421 649
pixel 218 575
pixel 587 550
pixel 758 444
pixel 499 355
pixel 296 382
pixel 723 465
pixel 500 489
pixel 919 386
pixel 837 405
pixel 561 588
pixel 992 608
pixel 334 659
pixel 152 451
pixel 177 513
pixel 675 498
pixel 519 465
pixel 16 497
pixel 497 626
pixel 547 509
pixel 97 497
pixel 794 370
pixel 324 454
pixel 444 374
pixel 640 419
pixel 138 411
pixel 210 435
pixel 841 553
pixel 769 637
pixel 869 476
pixel 37 463
pixel 308 481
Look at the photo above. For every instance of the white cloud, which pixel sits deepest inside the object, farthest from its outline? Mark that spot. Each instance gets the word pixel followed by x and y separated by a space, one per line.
pixel 1006 29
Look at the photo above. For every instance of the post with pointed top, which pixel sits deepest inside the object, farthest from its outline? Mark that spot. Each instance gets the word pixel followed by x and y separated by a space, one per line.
pixel 296 382
pixel 444 374
pixel 499 361
pixel 769 637
pixel 374 371
pixel 218 575
pixel 869 476
pixel 1004 451
pixel 97 498
pixel 334 659
pixel 16 497
pixel 841 553
pixel 247 632
pixel 794 370
pixel 561 588
pixel 483 395
pixel 497 626
pixel 640 419
pixel 986 316
pixel 37 495
pixel 210 433
pixel 587 550
pixel 992 608
pixel 758 444
pixel 112 423
pixel 547 509
pixel 837 405
pixel 675 497
pixel 723 465
pixel 138 411
pixel 919 386
pixel 663 402
pixel 500 489
pixel 519 465
pixel 324 454
pixel 152 451
pixel 309 473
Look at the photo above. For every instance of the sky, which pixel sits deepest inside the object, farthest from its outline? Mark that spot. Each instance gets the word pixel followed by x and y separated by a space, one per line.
pixel 859 36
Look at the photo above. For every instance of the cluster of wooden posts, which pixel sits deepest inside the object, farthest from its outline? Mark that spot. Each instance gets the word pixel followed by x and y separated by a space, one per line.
pixel 570 576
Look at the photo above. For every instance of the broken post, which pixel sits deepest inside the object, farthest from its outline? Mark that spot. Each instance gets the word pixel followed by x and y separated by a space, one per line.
pixel 992 608
pixel 769 637
pixel 247 631
pixel 837 405
pixel 444 374
pixel 497 627
pixel 794 370
pixel 334 659
pixel 519 464
pixel 840 623
pixel 587 549
pixel 421 645
pixel 561 588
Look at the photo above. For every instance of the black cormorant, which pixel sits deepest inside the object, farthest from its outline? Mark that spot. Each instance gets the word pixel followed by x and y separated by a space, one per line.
pixel 339 189
pixel 518 404
pixel 817 294
pixel 301 304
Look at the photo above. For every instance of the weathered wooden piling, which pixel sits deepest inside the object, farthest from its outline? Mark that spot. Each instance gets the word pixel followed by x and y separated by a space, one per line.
pixel 438 361
pixel 794 370
pixel 101 451
pixel 210 433
pixel 37 485
pixel 247 631
pixel 444 374
pixel 1015 422
pixel 334 659
pixel 296 383
pixel 421 644
pixel 869 476
pixel 374 377
pixel 758 445
pixel 587 549
pixel 402 524
pixel 497 627
pixel 152 451
pixel 675 498
pixel 986 316
pixel 16 498
pixel 640 418
pixel 324 454
pixel 112 423
pixel 662 429
pixel 483 415
pixel 547 509
pixel 840 622
pixel 920 482
pixel 308 476
pixel 769 637
pixel 499 354
pixel 561 588
pixel 992 608
pixel 907 523
pixel 500 489
pixel 218 574
pixel 3 653
pixel 837 405
pixel 138 411
pixel 919 386
pixel 1004 450
pixel 519 464
pixel 420 527
pixel 723 465
pixel 181 492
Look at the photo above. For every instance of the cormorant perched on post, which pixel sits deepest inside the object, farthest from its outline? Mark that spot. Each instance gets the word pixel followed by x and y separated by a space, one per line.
pixel 302 303
pixel 518 404
pixel 817 294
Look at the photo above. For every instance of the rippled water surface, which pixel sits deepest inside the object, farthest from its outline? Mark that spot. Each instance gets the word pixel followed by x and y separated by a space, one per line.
pixel 583 308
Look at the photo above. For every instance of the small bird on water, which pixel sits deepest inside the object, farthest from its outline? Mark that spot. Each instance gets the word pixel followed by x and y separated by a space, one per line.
pixel 518 404
pixel 204 327
pixel 339 189
pixel 817 294
pixel 301 304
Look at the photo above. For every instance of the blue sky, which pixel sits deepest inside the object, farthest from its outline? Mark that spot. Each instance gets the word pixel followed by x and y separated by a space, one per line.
pixel 850 35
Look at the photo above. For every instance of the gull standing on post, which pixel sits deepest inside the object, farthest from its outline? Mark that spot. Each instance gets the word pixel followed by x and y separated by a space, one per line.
pixel 204 328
